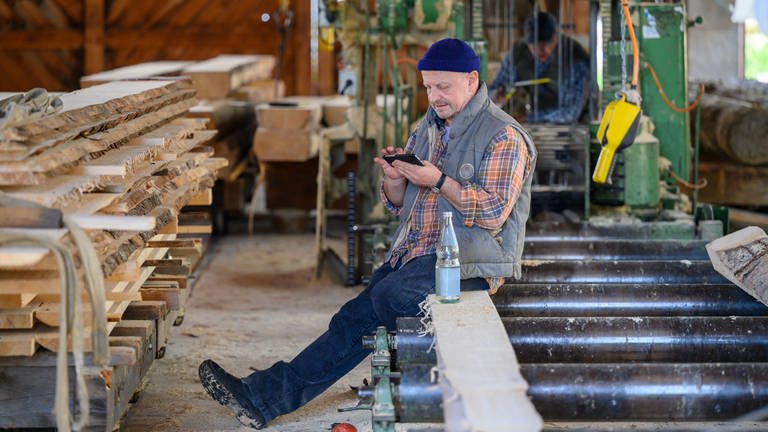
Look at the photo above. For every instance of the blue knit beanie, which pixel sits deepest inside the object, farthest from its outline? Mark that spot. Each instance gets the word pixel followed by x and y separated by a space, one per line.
pixel 451 55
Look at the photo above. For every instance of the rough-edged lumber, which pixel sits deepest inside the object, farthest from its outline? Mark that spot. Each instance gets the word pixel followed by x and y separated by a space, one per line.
pixel 92 110
pixel 57 192
pixel 34 169
pixel 29 217
pixel 217 77
pixel 136 72
pixel 113 222
pixel 742 257
pixel 733 128
pixel 479 395
pixel 90 203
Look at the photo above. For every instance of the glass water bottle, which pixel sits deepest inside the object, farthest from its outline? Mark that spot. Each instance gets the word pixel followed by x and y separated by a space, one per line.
pixel 447 269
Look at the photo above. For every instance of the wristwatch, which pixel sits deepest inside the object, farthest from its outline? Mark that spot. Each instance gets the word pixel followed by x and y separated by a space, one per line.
pixel 439 184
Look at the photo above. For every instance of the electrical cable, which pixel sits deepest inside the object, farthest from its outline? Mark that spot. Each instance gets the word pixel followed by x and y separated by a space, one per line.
pixel 635 52
pixel 669 103
pixel 701 185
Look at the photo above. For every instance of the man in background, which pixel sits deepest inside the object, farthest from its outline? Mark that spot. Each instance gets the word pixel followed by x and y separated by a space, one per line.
pixel 544 78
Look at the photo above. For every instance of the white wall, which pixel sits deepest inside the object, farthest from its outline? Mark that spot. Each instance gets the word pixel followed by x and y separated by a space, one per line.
pixel 715 47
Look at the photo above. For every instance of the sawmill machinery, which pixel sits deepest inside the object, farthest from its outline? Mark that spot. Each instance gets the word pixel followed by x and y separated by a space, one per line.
pixel 642 196
pixel 617 320
pixel 649 172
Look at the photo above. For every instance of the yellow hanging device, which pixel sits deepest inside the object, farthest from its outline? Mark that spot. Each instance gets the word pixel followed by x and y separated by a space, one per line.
pixel 617 131
pixel 619 125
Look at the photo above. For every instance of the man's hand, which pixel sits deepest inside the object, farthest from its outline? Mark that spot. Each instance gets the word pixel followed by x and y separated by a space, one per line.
pixel 426 175
pixel 390 172
pixel 394 180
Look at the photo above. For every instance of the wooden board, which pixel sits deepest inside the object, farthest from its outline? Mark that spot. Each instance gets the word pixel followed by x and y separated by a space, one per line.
pixel 136 72
pixel 216 77
pixel 489 395
pixel 742 257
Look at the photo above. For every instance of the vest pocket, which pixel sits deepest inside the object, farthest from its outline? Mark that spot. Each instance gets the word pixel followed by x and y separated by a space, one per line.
pixel 477 245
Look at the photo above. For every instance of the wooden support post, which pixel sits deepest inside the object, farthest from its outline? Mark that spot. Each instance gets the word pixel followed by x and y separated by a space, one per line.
pixel 94 36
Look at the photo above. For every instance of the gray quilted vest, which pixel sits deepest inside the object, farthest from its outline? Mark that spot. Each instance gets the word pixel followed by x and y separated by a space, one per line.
pixel 483 253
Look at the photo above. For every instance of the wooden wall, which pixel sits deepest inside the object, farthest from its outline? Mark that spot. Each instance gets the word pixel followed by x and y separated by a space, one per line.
pixel 52 43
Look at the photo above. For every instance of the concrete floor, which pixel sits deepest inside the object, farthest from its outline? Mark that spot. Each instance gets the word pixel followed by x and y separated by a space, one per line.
pixel 255 303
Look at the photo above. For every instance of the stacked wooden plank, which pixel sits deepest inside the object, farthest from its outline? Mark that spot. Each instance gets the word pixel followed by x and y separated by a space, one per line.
pixel 289 130
pixel 230 85
pixel 222 75
pixel 146 70
pixel 120 163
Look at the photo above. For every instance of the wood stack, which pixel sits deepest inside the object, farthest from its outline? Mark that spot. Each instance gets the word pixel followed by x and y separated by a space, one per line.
pixel 223 75
pixel 291 134
pixel 120 163
pixel 289 130
pixel 734 157
pixel 230 85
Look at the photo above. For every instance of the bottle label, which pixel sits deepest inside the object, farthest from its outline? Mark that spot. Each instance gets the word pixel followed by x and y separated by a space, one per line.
pixel 447 282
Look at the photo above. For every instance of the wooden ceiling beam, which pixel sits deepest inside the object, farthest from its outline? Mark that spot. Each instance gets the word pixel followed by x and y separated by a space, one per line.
pixel 94 36
pixel 31 14
pixel 34 66
pixel 55 15
pixel 41 39
pixel 182 38
pixel 187 13
pixel 73 9
pixel 162 13
pixel 13 75
pixel 6 14
pixel 116 10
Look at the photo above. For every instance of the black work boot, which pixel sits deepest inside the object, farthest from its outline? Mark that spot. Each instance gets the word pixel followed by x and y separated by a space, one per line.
pixel 231 392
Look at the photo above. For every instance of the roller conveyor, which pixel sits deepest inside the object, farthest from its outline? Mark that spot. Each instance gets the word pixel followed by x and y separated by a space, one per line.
pixel 615 330
pixel 644 392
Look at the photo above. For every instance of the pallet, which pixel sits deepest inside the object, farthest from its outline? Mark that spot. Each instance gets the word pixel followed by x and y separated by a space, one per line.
pixel 28 391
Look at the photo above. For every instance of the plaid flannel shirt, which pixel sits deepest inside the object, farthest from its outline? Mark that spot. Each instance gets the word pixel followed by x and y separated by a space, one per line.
pixel 487 204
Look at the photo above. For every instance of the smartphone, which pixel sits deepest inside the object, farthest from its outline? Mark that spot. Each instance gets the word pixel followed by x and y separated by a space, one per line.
pixel 405 157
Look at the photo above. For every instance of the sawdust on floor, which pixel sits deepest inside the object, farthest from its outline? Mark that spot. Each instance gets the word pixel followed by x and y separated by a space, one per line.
pixel 255 303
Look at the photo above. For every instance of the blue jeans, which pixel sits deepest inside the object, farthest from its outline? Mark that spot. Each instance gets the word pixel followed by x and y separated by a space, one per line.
pixel 391 293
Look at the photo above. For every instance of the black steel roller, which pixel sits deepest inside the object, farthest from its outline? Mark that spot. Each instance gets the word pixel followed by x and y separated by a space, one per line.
pixel 572 300
pixel 625 272
pixel 616 339
pixel 639 339
pixel 635 392
pixel 611 249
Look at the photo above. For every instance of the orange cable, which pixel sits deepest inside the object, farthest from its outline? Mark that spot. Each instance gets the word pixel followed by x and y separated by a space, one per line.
pixel 410 60
pixel 664 95
pixel 702 184
pixel 635 52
